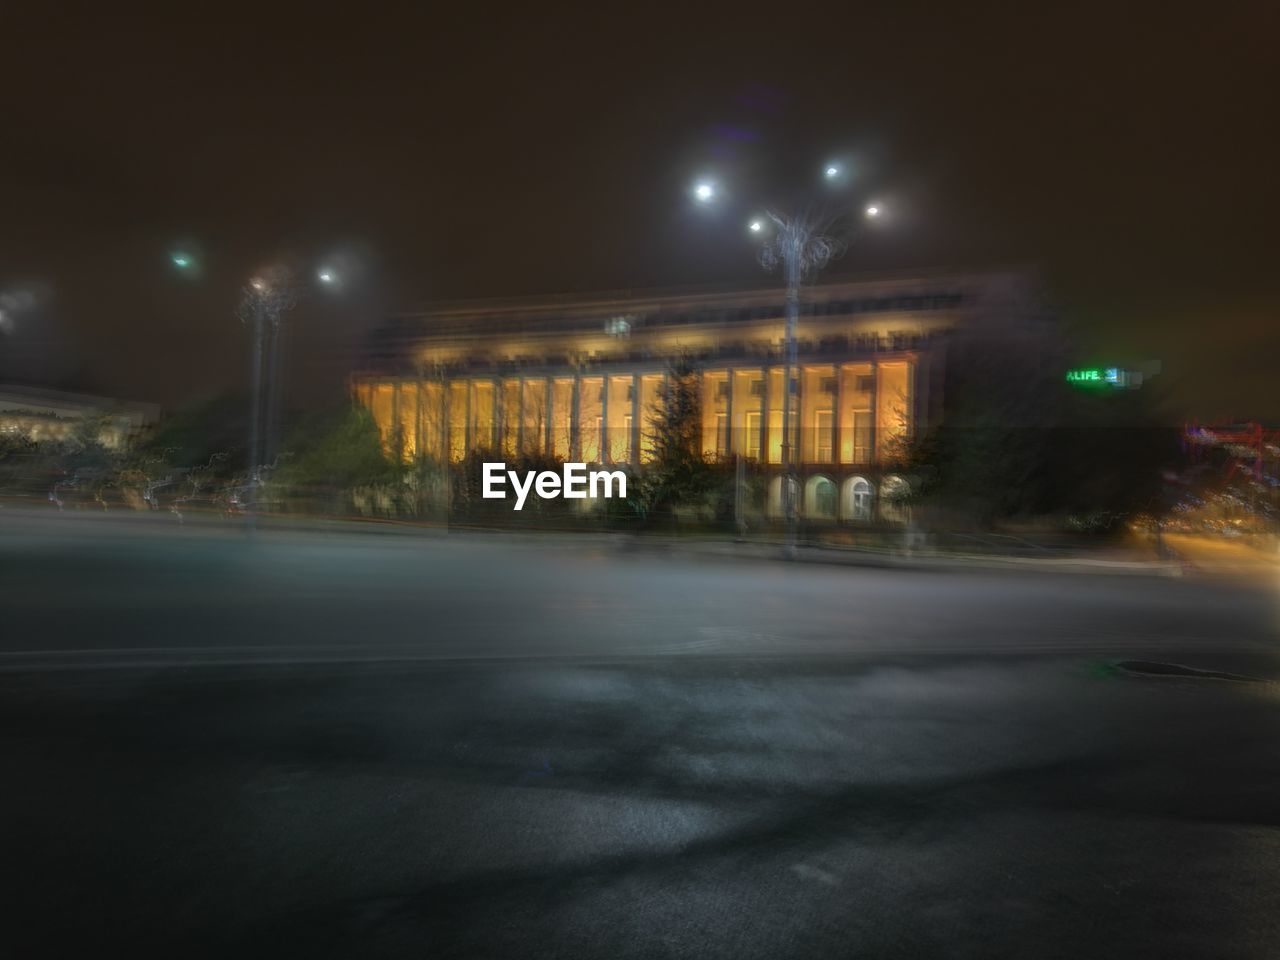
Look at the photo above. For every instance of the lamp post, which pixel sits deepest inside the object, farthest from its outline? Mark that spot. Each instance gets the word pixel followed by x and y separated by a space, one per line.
pixel 801 245
pixel 264 301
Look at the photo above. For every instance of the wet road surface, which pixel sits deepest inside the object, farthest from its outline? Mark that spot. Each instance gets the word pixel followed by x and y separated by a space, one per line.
pixel 387 746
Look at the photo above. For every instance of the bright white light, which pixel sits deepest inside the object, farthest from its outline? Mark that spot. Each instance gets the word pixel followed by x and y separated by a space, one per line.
pixel 704 192
pixel 832 172
pixel 873 211
pixel 326 276
pixel 258 284
pixel 756 226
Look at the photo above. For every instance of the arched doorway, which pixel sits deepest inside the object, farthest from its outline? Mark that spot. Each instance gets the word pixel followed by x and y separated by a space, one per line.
pixel 820 498
pixel 859 500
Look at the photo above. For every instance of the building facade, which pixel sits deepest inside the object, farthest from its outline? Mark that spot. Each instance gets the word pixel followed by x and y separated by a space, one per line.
pixel 45 415
pixel 577 378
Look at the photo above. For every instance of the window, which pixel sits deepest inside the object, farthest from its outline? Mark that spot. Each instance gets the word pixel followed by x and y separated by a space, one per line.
pixel 722 390
pixel 827 385
pixel 824 435
pixel 866 384
pixel 862 436
pixel 618 326
pixel 618 412
pixel 757 388
pixel 722 433
pixel 752 446
pixel 649 387
pixel 590 420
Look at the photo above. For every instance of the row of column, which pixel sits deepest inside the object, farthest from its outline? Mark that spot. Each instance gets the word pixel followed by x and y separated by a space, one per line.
pixel 601 418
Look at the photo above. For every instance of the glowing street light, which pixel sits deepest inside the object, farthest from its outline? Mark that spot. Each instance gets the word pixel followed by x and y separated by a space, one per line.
pixel 182 260
pixel 268 297
pixel 801 246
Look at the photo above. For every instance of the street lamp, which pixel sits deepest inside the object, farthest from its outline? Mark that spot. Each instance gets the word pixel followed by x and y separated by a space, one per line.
pixel 266 298
pixel 801 245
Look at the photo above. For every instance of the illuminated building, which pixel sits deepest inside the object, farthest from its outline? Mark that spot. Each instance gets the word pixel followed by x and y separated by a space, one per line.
pixel 575 377
pixel 52 415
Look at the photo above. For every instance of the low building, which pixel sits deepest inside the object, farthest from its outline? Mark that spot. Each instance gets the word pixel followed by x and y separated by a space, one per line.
pixel 52 415
pixel 575 377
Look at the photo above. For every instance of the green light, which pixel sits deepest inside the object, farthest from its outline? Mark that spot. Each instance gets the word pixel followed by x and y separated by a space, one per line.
pixel 180 260
pixel 1087 375
pixel 1098 377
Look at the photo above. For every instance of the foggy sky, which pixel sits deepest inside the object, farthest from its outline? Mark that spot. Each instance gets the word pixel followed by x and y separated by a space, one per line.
pixel 475 150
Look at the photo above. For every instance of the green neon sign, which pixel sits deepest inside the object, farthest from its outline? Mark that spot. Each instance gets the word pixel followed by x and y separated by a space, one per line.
pixel 1097 376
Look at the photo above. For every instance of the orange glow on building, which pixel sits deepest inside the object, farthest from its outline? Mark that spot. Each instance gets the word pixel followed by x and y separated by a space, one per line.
pixel 579 379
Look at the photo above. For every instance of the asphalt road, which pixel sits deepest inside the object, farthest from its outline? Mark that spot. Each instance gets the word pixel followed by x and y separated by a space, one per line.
pixel 401 745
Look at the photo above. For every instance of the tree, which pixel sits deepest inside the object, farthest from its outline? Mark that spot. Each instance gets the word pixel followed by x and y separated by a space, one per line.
pixel 1017 440
pixel 201 430
pixel 332 452
pixel 677 474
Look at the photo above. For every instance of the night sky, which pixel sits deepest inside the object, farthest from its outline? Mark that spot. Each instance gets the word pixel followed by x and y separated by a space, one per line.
pixel 473 150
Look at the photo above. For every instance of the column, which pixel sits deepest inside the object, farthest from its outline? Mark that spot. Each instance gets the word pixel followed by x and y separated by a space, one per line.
pixel 637 388
pixel 764 416
pixel 873 440
pixel 604 418
pixel 466 430
pixel 729 449
pixel 446 435
pixel 575 428
pixel 417 415
pixel 520 417
pixel 548 440
pixel 397 431
pixel 837 419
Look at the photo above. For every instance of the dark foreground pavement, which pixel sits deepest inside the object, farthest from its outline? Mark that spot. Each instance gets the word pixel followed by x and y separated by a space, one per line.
pixel 363 746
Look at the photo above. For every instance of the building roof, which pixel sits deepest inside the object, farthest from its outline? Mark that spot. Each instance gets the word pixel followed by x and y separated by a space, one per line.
pixel 453 322
pixel 61 403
